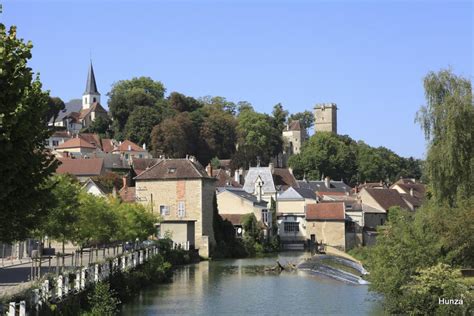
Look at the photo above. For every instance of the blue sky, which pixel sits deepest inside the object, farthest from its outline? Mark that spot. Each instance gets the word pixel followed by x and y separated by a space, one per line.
pixel 369 57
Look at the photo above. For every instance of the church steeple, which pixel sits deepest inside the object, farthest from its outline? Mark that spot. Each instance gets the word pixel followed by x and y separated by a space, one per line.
pixel 91 95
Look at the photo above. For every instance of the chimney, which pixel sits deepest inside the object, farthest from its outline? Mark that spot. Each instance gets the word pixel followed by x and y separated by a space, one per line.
pixel 327 182
pixel 209 170
pixel 411 191
pixel 129 147
pixel 290 170
pixel 237 176
pixel 144 146
pixel 124 183
pixel 271 165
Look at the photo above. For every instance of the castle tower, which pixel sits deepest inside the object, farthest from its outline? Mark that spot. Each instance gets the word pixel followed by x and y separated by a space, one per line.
pixel 294 136
pixel 91 95
pixel 325 118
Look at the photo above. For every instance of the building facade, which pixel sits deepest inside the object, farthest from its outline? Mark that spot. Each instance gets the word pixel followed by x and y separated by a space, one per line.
pixel 325 118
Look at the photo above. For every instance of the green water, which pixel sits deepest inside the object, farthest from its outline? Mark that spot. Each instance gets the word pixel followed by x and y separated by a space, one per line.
pixel 242 287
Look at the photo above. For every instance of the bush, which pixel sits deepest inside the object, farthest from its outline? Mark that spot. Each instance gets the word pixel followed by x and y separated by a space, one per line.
pixel 103 300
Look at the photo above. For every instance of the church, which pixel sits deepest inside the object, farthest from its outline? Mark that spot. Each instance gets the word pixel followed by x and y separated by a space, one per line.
pixel 79 114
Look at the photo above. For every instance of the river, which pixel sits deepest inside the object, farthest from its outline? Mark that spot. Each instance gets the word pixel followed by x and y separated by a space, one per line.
pixel 242 287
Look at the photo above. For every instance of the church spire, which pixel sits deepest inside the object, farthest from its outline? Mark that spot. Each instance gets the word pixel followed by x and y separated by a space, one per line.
pixel 91 86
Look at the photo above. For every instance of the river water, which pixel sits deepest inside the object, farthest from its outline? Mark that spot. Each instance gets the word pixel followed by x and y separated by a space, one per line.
pixel 242 287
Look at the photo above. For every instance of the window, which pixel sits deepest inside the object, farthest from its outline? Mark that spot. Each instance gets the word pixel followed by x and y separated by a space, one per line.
pixel 46 142
pixel 126 156
pixel 164 210
pixel 291 227
pixel 181 209
pixel 171 170
pixel 266 217
pixel 94 99
pixel 55 143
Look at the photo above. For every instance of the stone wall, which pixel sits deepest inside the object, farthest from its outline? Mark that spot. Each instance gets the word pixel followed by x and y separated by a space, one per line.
pixel 332 233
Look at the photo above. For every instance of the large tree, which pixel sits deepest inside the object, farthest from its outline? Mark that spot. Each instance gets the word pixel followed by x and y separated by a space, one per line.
pixel 306 118
pixel 175 137
pixel 140 123
pixel 448 122
pixel 280 117
pixel 258 134
pixel 127 95
pixel 23 130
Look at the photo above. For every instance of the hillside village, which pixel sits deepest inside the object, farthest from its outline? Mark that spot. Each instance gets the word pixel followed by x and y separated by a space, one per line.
pixel 302 213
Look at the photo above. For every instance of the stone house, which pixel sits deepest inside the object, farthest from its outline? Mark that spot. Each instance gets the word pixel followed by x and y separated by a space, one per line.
pixel 234 203
pixel 291 210
pixel 264 175
pixel 325 222
pixel 76 147
pixel 181 192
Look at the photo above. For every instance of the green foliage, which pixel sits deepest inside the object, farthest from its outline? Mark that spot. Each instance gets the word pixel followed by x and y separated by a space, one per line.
pixel 101 125
pixel 62 219
pixel 306 119
pixel 181 103
pixel 257 137
pixel 251 227
pixel 127 95
pixel 109 180
pixel 175 137
pixel 430 285
pixel 25 164
pixel 140 123
pixel 279 117
pixel 215 163
pixel 340 157
pixel 103 300
pixel 55 105
pixel 220 104
pixel 134 221
pixel 447 120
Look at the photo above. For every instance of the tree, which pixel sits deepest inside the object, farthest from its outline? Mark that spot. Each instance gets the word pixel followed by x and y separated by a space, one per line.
pixel 26 165
pixel 447 120
pixel 55 105
pixel 134 221
pixel 140 123
pixel 219 104
pixel 279 117
pixel 218 136
pixel 306 118
pixel 326 154
pixel 101 125
pixel 109 180
pixel 61 222
pixel 258 135
pixel 175 137
pixel 127 95
pixel 182 103
pixel 103 300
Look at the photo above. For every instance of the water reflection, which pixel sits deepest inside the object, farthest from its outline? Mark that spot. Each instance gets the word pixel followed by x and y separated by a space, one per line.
pixel 236 287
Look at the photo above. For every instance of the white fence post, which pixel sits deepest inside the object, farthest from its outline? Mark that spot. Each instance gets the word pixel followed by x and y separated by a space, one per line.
pixel 59 285
pixel 96 272
pixel 22 308
pixel 12 309
pixel 66 285
pixel 78 281
pixel 83 278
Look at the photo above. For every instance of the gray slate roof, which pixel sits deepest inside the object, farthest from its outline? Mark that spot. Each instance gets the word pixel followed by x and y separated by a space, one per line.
pixel 320 186
pixel 91 86
pixel 297 194
pixel 265 174
pixel 242 194
pixel 74 105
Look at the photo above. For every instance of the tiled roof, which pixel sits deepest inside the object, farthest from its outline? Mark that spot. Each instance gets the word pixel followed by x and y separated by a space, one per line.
pixel 74 105
pixel 419 189
pixel 294 126
pixel 297 194
pixel 127 145
pixel 81 167
pixel 224 179
pixel 76 143
pixel 93 139
pixel 127 194
pixel 107 145
pixel 325 211
pixel 283 177
pixel 174 169
pixel 235 219
pixel 62 134
pixel 141 164
pixel 95 107
pixel 387 198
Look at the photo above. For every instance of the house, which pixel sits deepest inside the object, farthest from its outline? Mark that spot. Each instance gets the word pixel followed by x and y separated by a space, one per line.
pixel 81 168
pixel 58 138
pixel 325 223
pixel 129 150
pixel 283 178
pixel 182 193
pixel 141 164
pixel 264 176
pixel 382 199
pixel 76 147
pixel 326 186
pixel 411 191
pixel 97 189
pixel 291 210
pixel 76 116
pixel 234 203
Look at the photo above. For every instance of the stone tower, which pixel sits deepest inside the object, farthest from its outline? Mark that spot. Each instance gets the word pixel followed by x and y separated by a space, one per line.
pixel 325 118
pixel 294 136
pixel 91 95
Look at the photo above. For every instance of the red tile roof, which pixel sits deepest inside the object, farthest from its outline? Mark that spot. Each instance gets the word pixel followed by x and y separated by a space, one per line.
pixel 93 139
pixel 107 145
pixel 174 169
pixel 95 107
pixel 81 167
pixel 126 144
pixel 294 126
pixel 387 198
pixel 325 211
pixel 76 143
pixel 283 177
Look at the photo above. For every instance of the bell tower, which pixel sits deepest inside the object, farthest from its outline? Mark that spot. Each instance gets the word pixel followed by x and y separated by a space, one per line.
pixel 325 118
pixel 91 95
